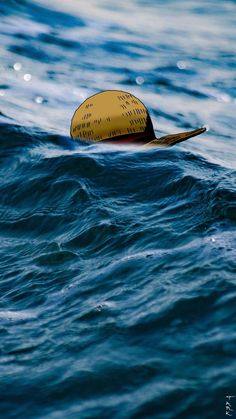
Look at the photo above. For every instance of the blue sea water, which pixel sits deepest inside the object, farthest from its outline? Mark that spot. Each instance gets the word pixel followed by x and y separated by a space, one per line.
pixel 118 265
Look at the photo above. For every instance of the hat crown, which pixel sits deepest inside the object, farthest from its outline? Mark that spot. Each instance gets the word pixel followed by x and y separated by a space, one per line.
pixel 109 115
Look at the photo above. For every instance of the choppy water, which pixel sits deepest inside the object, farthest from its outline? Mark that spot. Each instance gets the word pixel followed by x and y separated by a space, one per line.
pixel 117 265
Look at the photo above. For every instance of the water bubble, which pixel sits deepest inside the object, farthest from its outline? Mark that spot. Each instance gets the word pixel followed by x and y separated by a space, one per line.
pixel 27 77
pixel 39 99
pixel 224 97
pixel 78 92
pixel 182 65
pixel 139 80
pixel 2 93
pixel 17 66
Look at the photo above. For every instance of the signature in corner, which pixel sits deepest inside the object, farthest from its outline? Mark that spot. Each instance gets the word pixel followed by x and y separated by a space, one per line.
pixel 229 411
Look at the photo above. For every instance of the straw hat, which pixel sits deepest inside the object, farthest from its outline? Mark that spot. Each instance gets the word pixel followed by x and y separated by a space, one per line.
pixel 121 118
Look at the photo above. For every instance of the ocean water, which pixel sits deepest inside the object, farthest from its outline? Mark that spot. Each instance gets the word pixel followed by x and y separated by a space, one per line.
pixel 117 265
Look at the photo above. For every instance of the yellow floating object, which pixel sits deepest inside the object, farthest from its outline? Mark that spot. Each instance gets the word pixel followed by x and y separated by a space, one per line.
pixel 119 117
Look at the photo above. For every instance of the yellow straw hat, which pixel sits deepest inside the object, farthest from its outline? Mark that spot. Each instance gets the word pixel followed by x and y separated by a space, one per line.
pixel 121 118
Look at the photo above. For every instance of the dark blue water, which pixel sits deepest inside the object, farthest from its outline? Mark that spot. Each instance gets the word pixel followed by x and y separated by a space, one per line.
pixel 118 266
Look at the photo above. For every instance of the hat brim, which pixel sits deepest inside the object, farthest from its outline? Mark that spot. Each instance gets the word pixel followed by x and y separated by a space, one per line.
pixel 172 139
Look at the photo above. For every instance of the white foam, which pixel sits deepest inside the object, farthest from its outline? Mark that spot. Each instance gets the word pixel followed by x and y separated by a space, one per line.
pixel 17 315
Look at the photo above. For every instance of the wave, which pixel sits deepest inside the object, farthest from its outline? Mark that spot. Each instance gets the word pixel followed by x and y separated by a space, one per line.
pixel 117 263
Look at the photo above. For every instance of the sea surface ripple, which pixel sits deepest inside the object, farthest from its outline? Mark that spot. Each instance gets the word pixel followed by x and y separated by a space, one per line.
pixel 118 265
